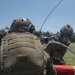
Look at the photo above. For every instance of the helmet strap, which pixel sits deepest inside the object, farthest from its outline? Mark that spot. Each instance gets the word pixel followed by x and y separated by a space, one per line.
pixel 29 26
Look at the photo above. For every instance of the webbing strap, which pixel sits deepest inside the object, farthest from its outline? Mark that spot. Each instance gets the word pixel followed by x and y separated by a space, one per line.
pixel 1 61
pixel 1 55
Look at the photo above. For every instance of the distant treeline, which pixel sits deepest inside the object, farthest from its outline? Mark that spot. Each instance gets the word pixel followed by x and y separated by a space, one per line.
pixel 42 33
pixel 49 34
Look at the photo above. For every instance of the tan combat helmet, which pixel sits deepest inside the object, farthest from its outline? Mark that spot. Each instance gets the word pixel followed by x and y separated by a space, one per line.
pixel 22 25
pixel 66 31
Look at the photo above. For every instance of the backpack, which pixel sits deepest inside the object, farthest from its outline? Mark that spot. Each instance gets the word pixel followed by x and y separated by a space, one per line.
pixel 21 54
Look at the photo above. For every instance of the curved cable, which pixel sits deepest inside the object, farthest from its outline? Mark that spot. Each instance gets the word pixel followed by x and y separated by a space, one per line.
pixel 50 14
pixel 63 46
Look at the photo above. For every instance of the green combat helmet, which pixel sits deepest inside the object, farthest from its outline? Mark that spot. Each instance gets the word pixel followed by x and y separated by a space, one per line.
pixel 22 25
pixel 66 31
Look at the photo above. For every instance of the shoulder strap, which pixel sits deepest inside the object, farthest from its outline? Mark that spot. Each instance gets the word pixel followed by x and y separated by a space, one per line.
pixel 1 52
pixel 1 55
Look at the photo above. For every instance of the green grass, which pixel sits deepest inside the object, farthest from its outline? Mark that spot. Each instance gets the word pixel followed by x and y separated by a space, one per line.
pixel 69 56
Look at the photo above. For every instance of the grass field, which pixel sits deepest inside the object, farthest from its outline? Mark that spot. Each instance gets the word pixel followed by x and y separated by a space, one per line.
pixel 69 56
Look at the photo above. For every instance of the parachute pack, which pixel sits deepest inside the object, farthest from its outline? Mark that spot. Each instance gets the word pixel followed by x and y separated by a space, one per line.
pixel 21 54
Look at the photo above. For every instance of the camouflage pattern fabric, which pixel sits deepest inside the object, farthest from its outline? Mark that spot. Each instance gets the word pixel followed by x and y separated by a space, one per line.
pixel 50 70
pixel 22 54
pixel 56 51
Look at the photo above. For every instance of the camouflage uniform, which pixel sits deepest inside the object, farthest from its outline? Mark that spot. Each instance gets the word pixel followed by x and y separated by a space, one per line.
pixel 22 53
pixel 57 51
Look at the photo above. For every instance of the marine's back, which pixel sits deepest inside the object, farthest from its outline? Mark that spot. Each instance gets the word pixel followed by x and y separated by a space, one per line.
pixel 22 52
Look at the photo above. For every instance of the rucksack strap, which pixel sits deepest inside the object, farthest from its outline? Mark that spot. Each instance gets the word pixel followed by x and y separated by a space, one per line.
pixel 1 57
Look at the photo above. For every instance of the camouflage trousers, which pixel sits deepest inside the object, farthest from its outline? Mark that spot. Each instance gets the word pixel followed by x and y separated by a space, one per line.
pixel 50 70
pixel 58 61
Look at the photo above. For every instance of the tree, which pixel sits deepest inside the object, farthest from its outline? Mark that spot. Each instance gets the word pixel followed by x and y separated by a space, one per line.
pixel 73 38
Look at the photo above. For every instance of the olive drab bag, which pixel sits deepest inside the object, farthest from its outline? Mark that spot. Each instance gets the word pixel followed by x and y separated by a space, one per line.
pixel 21 54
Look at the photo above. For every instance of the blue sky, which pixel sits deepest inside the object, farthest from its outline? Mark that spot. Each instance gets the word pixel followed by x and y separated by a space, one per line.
pixel 37 11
